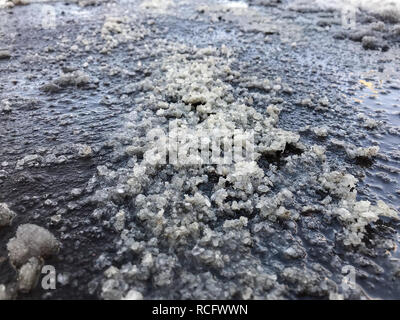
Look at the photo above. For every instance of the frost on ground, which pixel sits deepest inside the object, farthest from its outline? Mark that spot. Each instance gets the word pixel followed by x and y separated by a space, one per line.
pixel 12 3
pixel 370 22
pixel 6 215
pixel 385 8
pixel 31 241
pixel 278 225
pixel 28 275
pixel 355 215
pixel 215 231
pixel 27 251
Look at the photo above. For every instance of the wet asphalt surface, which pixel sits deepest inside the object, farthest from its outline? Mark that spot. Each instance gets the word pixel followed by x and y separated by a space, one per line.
pixel 297 47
